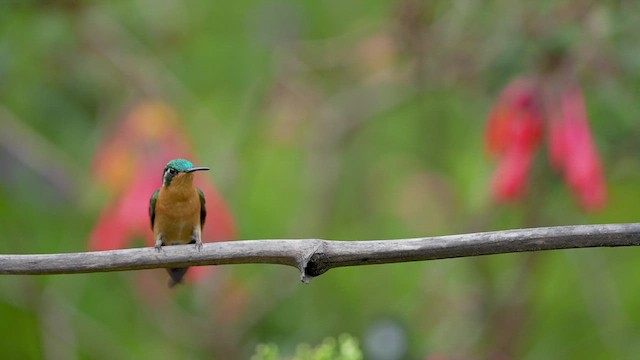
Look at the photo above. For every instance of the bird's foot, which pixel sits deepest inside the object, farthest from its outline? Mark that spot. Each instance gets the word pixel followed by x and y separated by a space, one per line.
pixel 198 245
pixel 158 245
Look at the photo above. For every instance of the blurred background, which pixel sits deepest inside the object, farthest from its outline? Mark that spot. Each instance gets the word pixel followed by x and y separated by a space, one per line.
pixel 322 119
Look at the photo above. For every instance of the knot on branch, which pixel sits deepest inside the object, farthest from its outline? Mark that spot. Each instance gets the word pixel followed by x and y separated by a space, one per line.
pixel 317 265
pixel 314 263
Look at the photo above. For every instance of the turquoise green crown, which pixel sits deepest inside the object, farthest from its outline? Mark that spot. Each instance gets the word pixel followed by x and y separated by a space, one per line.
pixel 181 165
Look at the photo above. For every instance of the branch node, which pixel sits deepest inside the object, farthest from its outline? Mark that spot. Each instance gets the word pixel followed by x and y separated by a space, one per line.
pixel 309 266
pixel 316 266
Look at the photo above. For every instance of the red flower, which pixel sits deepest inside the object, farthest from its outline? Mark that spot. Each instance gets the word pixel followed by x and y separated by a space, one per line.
pixel 515 130
pixel 130 162
pixel 574 153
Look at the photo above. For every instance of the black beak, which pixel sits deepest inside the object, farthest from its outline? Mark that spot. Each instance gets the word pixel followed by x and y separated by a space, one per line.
pixel 198 168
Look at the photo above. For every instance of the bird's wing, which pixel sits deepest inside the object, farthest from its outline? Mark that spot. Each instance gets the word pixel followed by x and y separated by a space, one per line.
pixel 203 208
pixel 152 207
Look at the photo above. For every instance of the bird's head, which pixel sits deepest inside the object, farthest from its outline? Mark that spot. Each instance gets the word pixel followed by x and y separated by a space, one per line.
pixel 179 171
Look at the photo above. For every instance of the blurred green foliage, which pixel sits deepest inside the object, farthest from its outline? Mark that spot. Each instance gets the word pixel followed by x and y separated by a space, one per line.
pixel 324 119
pixel 345 348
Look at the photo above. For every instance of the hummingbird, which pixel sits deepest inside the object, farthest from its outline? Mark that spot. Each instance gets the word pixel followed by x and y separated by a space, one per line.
pixel 177 211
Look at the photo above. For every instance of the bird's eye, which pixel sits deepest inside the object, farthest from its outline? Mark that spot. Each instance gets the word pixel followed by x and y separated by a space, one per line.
pixel 173 171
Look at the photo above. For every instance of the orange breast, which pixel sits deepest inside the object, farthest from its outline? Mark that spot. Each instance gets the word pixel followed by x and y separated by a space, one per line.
pixel 177 216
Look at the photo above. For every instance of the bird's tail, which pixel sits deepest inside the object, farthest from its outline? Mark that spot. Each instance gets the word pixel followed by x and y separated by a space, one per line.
pixel 176 275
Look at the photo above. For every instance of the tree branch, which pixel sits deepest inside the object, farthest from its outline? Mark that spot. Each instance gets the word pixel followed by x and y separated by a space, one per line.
pixel 313 257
